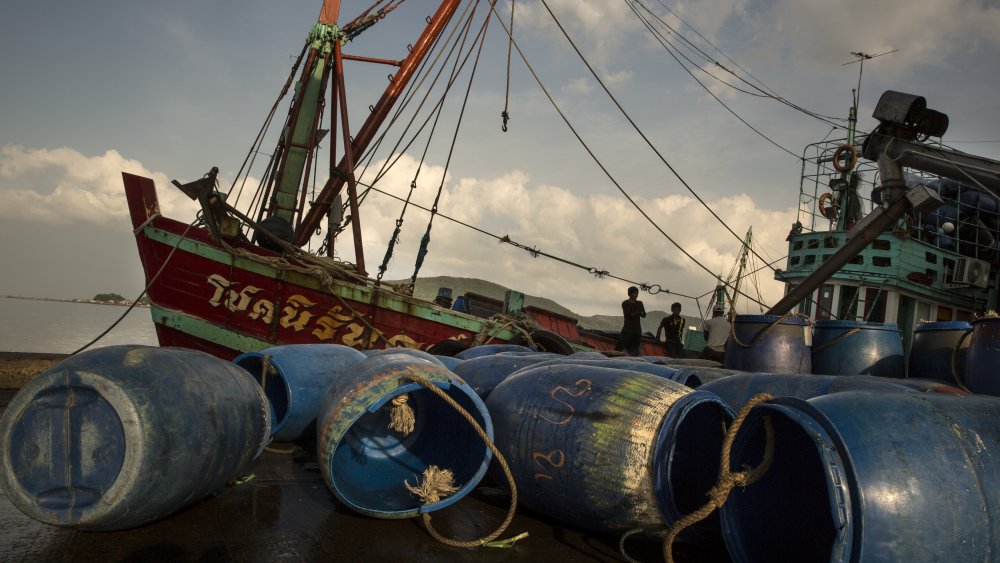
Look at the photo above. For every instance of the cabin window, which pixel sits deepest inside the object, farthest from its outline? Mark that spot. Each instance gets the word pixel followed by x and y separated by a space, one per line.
pixel 923 312
pixel 963 316
pixel 875 305
pixel 949 268
pixel 797 245
pixel 831 242
pixel 881 244
pixel 810 259
pixel 812 243
pixel 944 313
pixel 824 302
pixel 881 261
pixel 848 303
pixel 826 256
pixel 930 257
pixel 859 259
pixel 793 261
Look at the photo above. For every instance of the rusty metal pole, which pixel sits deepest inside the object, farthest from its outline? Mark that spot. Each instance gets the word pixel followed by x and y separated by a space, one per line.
pixel 380 111
pixel 348 165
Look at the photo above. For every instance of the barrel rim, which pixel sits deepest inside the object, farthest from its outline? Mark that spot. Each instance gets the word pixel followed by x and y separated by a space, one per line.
pixel 663 460
pixel 384 391
pixel 942 325
pixel 838 474
pixel 836 323
pixel 798 321
pixel 130 417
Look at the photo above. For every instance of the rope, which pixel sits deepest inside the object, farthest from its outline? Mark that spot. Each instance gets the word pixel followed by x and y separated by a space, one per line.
pixel 401 418
pixel 761 334
pixel 826 345
pixel 438 483
pixel 506 95
pixel 425 240
pixel 621 544
pixel 727 479
pixel 496 453
pixel 144 290
pixel 492 327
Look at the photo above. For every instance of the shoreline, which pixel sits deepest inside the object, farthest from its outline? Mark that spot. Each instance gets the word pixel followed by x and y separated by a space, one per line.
pixel 17 368
pixel 83 301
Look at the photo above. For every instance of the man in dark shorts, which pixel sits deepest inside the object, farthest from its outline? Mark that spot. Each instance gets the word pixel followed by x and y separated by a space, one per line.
pixel 631 333
pixel 673 327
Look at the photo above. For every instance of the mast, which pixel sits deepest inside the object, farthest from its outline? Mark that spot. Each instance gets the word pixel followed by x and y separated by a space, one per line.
pixel 344 172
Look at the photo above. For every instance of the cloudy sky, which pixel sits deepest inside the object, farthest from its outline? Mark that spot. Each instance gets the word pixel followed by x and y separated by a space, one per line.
pixel 170 89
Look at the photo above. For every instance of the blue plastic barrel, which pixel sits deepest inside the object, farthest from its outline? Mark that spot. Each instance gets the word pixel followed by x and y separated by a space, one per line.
pixel 608 449
pixel 737 389
pixel 295 378
pixel 449 362
pixel 695 376
pixel 981 373
pixel 768 344
pixel 490 349
pixel 935 346
pixel 626 363
pixel 863 476
pixel 857 348
pixel 587 355
pixel 366 464
pixel 412 352
pixel 486 372
pixel 120 436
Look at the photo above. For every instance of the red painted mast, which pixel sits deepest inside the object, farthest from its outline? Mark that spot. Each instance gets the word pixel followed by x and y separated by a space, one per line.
pixel 335 184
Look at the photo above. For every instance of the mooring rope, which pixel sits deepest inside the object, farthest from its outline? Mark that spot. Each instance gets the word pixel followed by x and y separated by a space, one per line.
pixel 844 336
pixel 488 539
pixel 727 478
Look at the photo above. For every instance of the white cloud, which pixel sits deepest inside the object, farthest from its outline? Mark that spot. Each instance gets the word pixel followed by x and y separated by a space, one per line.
pixel 599 231
pixel 63 186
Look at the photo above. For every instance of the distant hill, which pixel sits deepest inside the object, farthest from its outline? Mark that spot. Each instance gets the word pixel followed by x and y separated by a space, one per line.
pixel 427 289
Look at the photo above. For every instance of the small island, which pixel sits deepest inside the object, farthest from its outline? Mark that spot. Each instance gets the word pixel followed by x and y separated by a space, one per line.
pixel 99 299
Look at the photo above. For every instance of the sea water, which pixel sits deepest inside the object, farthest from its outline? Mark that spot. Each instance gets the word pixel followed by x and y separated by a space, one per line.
pixel 61 327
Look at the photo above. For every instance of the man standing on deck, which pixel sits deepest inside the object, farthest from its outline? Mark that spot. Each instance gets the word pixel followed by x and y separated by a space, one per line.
pixel 631 333
pixel 673 327
pixel 716 334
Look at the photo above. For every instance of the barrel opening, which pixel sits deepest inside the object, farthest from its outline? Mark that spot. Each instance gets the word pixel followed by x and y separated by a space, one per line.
pixel 372 462
pixel 274 385
pixel 694 465
pixel 787 514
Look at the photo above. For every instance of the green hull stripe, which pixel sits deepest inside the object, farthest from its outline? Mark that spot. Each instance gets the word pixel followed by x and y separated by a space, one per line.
pixel 207 331
pixel 346 290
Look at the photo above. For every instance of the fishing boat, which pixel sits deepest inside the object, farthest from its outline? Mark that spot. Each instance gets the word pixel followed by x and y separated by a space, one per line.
pixel 237 281
pixel 934 261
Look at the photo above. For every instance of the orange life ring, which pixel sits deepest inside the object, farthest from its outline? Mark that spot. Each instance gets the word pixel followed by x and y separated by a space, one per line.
pixel 850 163
pixel 827 207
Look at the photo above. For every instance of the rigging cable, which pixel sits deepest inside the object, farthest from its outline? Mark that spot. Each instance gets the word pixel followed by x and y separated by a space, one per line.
pixel 764 89
pixel 640 132
pixel 425 241
pixel 596 272
pixel 664 43
pixel 438 111
pixel 597 160
pixel 506 95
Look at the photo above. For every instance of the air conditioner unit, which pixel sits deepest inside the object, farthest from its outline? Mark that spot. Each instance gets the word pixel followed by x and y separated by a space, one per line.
pixel 970 271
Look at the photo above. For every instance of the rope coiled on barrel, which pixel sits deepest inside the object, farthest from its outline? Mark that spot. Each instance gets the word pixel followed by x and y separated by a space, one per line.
pixel 727 478
pixel 500 459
